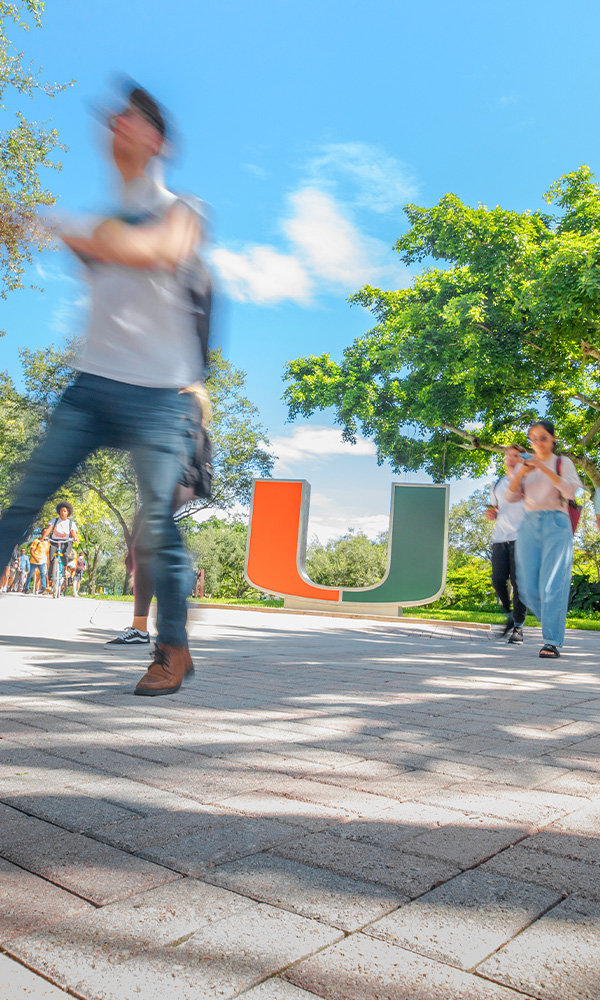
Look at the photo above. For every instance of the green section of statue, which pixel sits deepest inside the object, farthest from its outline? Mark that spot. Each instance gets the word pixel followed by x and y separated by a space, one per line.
pixel 417 549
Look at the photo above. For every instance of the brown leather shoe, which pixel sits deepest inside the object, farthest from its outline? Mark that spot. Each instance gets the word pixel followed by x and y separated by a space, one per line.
pixel 170 664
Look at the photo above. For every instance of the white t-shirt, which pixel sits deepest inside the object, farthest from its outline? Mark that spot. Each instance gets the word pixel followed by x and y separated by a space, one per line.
pixel 142 329
pixel 61 531
pixel 509 516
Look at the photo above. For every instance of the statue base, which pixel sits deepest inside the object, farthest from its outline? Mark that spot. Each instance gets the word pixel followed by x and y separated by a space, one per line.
pixel 343 607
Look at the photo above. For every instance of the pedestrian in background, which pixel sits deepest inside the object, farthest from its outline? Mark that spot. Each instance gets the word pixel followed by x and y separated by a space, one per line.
pixel 544 547
pixel 507 517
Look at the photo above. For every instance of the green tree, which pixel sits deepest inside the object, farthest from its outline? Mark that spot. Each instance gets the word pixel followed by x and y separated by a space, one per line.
pixel 350 561
pixel 469 531
pixel 219 548
pixel 586 558
pixel 26 148
pixel 502 326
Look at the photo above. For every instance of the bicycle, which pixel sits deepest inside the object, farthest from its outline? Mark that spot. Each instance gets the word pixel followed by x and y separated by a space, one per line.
pixel 58 568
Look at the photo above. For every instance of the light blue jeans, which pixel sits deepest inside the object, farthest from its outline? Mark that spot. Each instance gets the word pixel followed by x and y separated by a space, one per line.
pixel 544 559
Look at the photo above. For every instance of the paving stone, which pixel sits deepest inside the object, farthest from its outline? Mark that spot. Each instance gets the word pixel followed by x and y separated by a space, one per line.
pixel 308 815
pixel 582 821
pixel 400 870
pixel 218 961
pixel 412 784
pixel 222 839
pixel 142 832
pixel 557 958
pixel 277 989
pixel 486 802
pixel 361 968
pixel 487 792
pixel 397 825
pixel 28 902
pixel 92 870
pixel 465 920
pixel 114 933
pixel 313 892
pixel 77 809
pixel 19 983
pixel 562 874
pixel 566 845
pixel 467 840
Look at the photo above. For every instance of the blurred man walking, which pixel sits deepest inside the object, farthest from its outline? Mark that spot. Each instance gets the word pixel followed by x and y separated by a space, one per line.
pixel 141 350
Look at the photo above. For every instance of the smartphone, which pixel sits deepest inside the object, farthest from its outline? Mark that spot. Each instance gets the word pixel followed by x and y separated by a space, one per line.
pixel 525 455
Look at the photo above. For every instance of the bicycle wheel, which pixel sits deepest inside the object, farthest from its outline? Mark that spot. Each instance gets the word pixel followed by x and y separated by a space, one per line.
pixel 56 578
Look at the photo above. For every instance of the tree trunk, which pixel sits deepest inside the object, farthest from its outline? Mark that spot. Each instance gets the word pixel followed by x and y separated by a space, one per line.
pixel 92 572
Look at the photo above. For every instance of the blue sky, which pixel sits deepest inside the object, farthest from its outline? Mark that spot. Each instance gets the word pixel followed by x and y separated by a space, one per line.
pixel 306 126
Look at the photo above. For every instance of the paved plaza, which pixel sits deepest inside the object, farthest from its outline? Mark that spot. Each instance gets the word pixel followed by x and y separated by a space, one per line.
pixel 340 808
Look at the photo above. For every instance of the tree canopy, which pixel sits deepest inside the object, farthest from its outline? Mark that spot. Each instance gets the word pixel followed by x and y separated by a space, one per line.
pixel 26 148
pixel 501 327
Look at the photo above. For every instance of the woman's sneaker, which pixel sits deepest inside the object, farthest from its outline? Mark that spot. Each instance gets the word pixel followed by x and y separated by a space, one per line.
pixel 130 637
pixel 517 634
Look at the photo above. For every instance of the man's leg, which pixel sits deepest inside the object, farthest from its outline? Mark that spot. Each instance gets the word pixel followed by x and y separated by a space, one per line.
pixel 160 547
pixel 501 574
pixel 519 609
pixel 159 461
pixel 73 433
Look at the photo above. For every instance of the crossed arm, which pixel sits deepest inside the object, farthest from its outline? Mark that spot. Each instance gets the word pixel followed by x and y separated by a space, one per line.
pixel 161 246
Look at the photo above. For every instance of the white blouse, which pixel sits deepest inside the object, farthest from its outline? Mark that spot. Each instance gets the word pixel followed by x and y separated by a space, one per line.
pixel 540 493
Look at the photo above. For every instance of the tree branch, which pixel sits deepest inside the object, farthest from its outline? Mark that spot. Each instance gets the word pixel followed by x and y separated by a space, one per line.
pixel 115 510
pixel 586 466
pixel 589 351
pixel 585 400
pixel 585 440
pixel 474 443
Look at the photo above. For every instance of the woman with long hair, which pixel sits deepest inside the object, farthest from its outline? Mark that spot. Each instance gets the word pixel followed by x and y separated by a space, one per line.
pixel 544 547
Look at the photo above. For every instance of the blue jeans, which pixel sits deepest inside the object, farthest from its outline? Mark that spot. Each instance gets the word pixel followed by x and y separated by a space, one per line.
pixel 156 426
pixel 42 569
pixel 544 558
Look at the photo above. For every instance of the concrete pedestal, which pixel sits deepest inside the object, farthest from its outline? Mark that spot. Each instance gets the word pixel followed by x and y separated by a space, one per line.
pixel 343 607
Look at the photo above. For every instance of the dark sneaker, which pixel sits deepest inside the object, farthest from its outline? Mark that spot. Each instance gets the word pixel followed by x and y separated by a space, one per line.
pixel 130 637
pixel 507 627
pixel 517 634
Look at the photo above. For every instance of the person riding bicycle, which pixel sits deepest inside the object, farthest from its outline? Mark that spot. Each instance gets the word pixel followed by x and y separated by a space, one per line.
pixel 61 533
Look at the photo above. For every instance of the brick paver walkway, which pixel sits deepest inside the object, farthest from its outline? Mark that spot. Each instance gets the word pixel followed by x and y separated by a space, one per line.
pixel 349 809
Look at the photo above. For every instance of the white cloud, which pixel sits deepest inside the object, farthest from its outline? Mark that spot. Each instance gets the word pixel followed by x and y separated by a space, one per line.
pixel 310 442
pixel 325 250
pixel 381 182
pixel 328 527
pixel 262 274
pixel 328 243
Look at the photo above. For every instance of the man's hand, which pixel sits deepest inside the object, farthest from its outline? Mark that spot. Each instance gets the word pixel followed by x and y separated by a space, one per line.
pixel 491 513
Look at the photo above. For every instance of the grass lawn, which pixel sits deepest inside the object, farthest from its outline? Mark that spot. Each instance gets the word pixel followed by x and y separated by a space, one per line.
pixel 492 618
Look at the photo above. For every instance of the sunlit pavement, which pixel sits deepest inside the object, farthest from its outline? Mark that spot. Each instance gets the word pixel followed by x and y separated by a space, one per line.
pixel 349 809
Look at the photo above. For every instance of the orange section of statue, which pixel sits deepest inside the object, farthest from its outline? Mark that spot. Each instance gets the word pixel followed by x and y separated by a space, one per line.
pixel 278 538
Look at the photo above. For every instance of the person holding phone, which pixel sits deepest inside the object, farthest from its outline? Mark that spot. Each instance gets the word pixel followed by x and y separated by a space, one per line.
pixel 544 546
pixel 508 517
